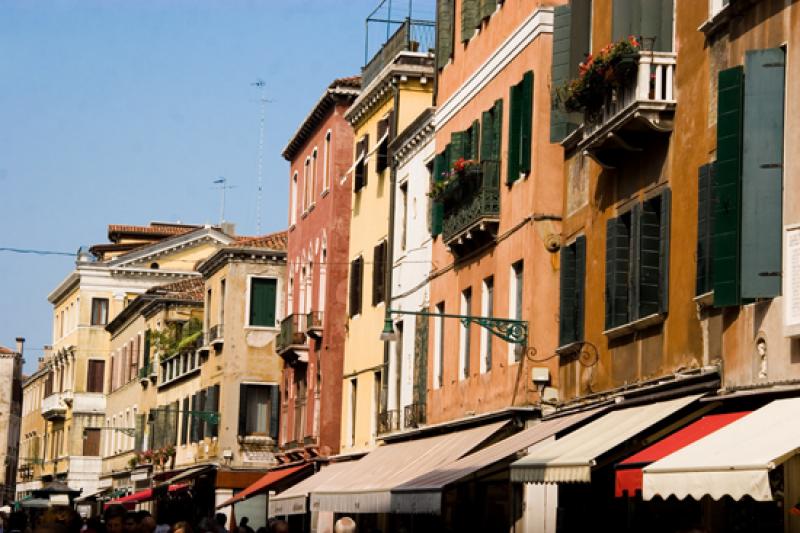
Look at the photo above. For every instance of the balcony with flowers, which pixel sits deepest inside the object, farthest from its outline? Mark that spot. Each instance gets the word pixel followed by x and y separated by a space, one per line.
pixel 624 92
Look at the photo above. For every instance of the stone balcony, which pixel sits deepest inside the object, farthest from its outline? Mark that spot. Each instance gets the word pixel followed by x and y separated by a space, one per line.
pixel 632 113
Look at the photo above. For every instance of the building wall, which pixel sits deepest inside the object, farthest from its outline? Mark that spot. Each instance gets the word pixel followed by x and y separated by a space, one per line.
pixel 364 352
pixel 32 435
pixel 530 210
pixel 10 411
pixel 318 242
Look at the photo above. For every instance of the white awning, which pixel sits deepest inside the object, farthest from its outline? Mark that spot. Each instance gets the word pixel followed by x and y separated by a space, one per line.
pixel 294 499
pixel 367 486
pixel 424 493
pixel 734 461
pixel 571 458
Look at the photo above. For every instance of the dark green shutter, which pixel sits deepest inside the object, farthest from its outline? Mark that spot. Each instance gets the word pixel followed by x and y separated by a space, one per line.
pixel 138 444
pixel 664 247
pixel 204 407
pixel 704 221
pixel 437 206
pixel 172 430
pixel 263 292
pixel 566 322
pixel 487 123
pixel 762 173
pixel 497 133
pixel 487 8
pixel 444 31
pixel 645 18
pixel 514 121
pixel 727 188
pixel 560 73
pixel 195 420
pixel 212 406
pixel 242 410
pixel 146 350
pixel 469 18
pixel 526 123
pixel 457 146
pixel 617 271
pixel 649 258
pixel 474 139
pixel 185 422
pixel 274 411
pixel 356 282
pixel 580 285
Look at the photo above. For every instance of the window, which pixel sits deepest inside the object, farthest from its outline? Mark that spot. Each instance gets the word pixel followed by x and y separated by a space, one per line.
pixel 379 273
pixel 515 302
pixel 208 306
pixel 398 366
pixel 649 18
pixel 445 28
pixel 99 312
pixel 263 301
pixel 306 187
pixel 464 354
pixel 637 255
pixel 353 410
pixel 487 304
pixel 293 210
pixel 91 441
pixel 473 13
pixel 313 176
pixel 300 407
pixel 95 375
pixel 185 422
pixel 356 282
pixel 572 275
pixel 360 170
pixel 715 6
pixel 520 125
pixel 377 404
pixel 258 405
pixel 438 347
pixel 403 214
pixel 222 301
pixel 382 152
pixel 326 163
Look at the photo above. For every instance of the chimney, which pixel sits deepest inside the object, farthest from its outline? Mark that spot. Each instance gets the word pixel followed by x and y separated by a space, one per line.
pixel 20 343
pixel 228 228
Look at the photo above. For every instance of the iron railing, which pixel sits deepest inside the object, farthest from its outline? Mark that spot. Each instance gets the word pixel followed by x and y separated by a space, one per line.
pixel 411 36
pixel 388 421
pixel 314 320
pixel 471 198
pixel 414 415
pixel 291 333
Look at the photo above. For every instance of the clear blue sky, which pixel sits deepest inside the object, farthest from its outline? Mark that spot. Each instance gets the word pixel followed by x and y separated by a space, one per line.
pixel 117 111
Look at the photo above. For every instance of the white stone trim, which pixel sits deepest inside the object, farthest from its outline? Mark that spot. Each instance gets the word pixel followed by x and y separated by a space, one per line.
pixel 539 22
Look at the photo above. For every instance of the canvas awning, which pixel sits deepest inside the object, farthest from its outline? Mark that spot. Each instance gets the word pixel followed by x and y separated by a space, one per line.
pixel 423 494
pixel 570 459
pixel 367 487
pixel 734 461
pixel 294 500
pixel 265 483
pixel 629 471
pixel 188 474
pixel 144 495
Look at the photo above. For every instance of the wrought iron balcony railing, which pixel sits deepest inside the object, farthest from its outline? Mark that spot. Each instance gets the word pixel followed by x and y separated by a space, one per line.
pixel 411 36
pixel 414 415
pixel 291 335
pixel 472 207
pixel 388 421
pixel 314 324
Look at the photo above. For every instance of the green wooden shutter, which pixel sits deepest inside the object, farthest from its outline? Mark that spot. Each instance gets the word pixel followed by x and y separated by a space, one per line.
pixel 146 350
pixel 242 429
pixel 486 10
pixel 487 123
pixel 212 405
pixel 469 18
pixel 649 257
pixel 457 146
pixel 203 407
pixel 514 121
pixel 645 18
pixel 526 123
pixel 566 321
pixel 580 285
pixel 174 407
pixel 625 18
pixel 263 292
pixel 185 422
pixel 617 271
pixel 437 207
pixel 444 31
pixel 474 139
pixel 727 188
pixel 560 73
pixel 195 420
pixel 274 411
pixel 497 133
pixel 762 173
pixel 704 221
pixel 663 252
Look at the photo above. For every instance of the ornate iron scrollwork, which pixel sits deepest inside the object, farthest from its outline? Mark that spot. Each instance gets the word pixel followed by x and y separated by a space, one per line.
pixel 513 331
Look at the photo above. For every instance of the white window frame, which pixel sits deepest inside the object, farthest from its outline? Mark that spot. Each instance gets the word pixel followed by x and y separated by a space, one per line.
pixel 513 312
pixel 486 310
pixel 463 336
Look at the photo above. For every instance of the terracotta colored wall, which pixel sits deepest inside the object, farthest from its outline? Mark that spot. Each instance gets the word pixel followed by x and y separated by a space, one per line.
pixel 329 223
pixel 539 195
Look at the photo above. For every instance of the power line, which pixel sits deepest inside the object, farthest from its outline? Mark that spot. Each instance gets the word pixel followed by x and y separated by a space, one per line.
pixel 35 252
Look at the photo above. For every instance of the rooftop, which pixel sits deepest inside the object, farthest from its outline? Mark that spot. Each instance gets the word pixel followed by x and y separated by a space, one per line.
pixel 186 289
pixel 270 241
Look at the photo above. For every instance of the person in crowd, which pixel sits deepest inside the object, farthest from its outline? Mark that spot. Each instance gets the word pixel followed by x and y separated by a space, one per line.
pixel 132 522
pixel 114 518
pixel 279 526
pixel 17 522
pixel 147 524
pixel 244 527
pixel 94 525
pixel 345 525
pixel 221 519
pixel 262 529
pixel 182 527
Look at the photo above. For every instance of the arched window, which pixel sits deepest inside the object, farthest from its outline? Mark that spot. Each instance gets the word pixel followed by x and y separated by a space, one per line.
pixel 313 175
pixel 326 163
pixel 293 200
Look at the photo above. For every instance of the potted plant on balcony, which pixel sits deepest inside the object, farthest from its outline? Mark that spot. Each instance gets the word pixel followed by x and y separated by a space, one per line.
pixel 612 68
pixel 458 178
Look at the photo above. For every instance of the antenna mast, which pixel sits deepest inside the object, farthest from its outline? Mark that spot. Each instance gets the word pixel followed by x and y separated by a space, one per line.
pixel 259 83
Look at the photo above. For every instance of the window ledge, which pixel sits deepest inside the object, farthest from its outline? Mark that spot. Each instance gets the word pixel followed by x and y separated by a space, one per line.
pixel 256 439
pixel 636 325
pixel 263 328
pixel 570 349
pixel 292 226
pixel 325 193
pixel 704 300
pixel 312 206
pixel 716 21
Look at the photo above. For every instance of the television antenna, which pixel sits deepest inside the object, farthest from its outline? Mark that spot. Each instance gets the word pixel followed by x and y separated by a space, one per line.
pixel 261 86
pixel 223 186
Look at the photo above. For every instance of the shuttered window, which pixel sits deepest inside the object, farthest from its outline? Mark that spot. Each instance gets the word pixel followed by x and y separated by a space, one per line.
pixel 382 152
pixel 379 273
pixel 263 301
pixel 195 420
pixel 490 143
pixel 571 304
pixel 360 170
pixel 705 221
pixel 571 43
pixel 146 349
pixel 437 206
pixel 445 27
pixel 762 173
pixel 138 442
pixel 185 422
pixel 94 375
pixel 470 18
pixel 274 411
pixel 637 262
pixel 520 128
pixel 487 7
pixel 356 283
pixel 212 402
pixel 99 311
pixel 649 19
pixel 254 409
pixel 202 405
pixel 727 187
pixel 91 441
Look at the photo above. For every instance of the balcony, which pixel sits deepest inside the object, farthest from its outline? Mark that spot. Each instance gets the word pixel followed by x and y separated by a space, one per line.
pixel 215 335
pixel 472 208
pixel 54 406
pixel 147 374
pixel 291 341
pixel 646 106
pixel 414 415
pixel 314 324
pixel 202 344
pixel 410 36
pixel 388 421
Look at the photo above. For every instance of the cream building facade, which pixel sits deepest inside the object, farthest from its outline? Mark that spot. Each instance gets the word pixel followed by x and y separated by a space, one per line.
pixel 10 413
